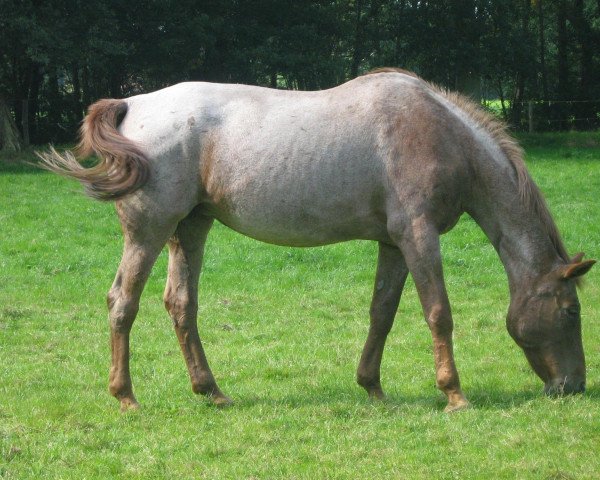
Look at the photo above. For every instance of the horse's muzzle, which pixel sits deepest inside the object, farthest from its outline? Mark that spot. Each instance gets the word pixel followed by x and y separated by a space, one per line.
pixel 562 386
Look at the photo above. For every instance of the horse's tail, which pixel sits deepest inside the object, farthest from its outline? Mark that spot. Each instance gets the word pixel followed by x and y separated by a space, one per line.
pixel 123 168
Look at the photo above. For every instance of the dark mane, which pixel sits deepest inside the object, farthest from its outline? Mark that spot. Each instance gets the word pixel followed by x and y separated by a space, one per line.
pixel 529 192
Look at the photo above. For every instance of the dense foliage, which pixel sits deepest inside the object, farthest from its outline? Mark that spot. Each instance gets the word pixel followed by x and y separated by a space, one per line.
pixel 58 56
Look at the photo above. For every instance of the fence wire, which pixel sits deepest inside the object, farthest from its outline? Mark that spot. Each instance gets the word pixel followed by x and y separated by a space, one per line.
pixel 60 124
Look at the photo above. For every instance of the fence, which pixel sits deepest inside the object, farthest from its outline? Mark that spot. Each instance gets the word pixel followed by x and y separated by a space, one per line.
pixel 563 115
pixel 49 124
pixel 549 115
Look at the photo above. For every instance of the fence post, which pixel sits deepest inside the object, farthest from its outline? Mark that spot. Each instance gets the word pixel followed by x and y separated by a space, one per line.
pixel 530 115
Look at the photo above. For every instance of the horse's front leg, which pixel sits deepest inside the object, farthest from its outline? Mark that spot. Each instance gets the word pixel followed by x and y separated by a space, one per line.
pixel 141 249
pixel 389 282
pixel 186 249
pixel 420 245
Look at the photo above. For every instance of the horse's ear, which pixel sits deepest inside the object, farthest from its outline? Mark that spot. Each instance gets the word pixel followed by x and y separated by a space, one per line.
pixel 577 269
pixel 578 257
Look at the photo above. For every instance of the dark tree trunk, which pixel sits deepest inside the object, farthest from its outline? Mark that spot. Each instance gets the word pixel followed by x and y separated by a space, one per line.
pixel 563 64
pixel 502 99
pixel 398 60
pixel 10 139
pixel 34 102
pixel 55 108
pixel 519 93
pixel 25 121
pixel 359 33
pixel 85 86
pixel 115 85
pixel 584 109
pixel 77 107
pixel 542 40
pixel 363 35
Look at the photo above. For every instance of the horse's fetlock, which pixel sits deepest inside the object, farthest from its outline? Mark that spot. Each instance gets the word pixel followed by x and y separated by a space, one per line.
pixel 204 386
pixel 119 388
pixel 447 383
pixel 367 381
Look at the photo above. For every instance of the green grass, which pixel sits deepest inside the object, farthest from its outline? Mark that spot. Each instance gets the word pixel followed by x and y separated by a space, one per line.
pixel 283 330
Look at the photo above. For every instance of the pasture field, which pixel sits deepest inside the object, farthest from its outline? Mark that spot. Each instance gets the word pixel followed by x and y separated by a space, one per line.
pixel 283 329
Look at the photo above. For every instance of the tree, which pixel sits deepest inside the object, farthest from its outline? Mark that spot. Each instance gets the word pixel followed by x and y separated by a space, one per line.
pixel 587 44
pixel 57 57
pixel 563 88
pixel 10 139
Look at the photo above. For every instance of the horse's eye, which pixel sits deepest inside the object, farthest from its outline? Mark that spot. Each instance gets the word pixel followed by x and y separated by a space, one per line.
pixel 546 292
pixel 572 311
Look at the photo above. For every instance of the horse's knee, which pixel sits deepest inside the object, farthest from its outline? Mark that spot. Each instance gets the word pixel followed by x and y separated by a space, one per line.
pixel 367 380
pixel 439 320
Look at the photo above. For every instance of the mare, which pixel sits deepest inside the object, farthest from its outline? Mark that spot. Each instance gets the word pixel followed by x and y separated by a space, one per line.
pixel 386 157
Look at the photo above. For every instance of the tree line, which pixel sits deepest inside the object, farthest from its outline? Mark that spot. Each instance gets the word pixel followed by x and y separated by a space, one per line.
pixel 58 56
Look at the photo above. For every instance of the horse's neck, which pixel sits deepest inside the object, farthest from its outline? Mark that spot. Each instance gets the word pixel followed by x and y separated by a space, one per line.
pixel 516 230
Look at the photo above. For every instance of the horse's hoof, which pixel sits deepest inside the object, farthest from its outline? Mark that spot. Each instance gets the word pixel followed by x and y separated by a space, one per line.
pixel 221 401
pixel 128 404
pixel 457 406
pixel 376 395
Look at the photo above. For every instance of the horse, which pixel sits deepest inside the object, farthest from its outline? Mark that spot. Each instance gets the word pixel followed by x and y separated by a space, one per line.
pixel 386 157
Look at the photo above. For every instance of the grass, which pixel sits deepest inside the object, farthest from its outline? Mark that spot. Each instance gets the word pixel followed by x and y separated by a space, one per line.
pixel 283 330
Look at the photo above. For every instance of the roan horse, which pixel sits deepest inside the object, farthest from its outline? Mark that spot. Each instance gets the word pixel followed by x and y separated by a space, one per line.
pixel 385 157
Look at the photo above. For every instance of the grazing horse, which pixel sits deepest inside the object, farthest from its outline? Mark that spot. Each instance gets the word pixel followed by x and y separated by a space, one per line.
pixel 385 157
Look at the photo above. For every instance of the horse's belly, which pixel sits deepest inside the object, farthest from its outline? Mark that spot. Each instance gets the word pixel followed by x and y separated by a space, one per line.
pixel 286 223
pixel 316 237
pixel 284 193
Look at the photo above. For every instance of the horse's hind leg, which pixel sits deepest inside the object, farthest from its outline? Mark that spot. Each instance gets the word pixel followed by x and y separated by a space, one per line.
pixel 186 249
pixel 389 282
pixel 143 243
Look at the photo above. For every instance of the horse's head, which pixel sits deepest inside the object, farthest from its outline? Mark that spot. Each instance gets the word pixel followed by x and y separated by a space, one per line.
pixel 545 322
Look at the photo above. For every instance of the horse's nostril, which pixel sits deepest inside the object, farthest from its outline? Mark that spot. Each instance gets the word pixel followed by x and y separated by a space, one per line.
pixel 567 388
pixel 563 387
pixel 574 387
pixel 552 389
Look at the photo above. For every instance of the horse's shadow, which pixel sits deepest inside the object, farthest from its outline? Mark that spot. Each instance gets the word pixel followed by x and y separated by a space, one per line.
pixel 481 399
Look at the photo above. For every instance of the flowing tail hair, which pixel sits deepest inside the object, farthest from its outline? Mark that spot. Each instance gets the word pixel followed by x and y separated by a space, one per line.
pixel 123 166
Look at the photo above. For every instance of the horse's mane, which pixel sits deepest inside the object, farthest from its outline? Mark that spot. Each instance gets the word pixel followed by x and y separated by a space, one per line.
pixel 529 192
